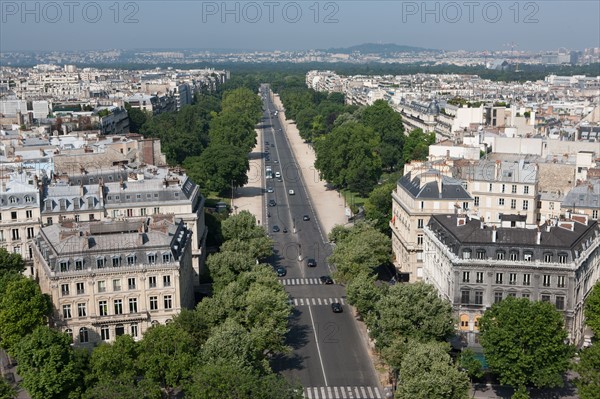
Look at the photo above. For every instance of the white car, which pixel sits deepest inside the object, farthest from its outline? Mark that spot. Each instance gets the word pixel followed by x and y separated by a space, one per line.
pixel 291 192
pixel 277 175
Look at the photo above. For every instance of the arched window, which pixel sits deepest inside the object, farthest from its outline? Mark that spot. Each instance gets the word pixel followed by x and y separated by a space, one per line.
pixel 464 322
pixel 69 332
pixel 83 335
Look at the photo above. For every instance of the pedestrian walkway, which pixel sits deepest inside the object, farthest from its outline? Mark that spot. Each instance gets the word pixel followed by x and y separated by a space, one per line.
pixel 315 301
pixel 301 281
pixel 342 393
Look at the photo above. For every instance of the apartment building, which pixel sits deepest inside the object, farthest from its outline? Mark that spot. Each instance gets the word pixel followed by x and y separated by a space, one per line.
pixel 474 265
pixel 583 198
pixel 111 278
pixel 419 194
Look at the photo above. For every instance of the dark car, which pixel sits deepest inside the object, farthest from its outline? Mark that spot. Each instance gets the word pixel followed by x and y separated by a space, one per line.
pixel 311 262
pixel 272 145
pixel 326 280
pixel 281 271
pixel 272 202
pixel 337 307
pixel 306 218
pixel 275 229
pixel 285 229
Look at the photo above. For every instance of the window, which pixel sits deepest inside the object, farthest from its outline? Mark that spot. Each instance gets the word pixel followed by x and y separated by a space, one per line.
pixel 419 223
pixel 422 205
pixel 100 263
pixel 13 215
pixel 560 281
pixel 562 258
pixel 499 278
pixel 69 332
pixel 153 303
pixel 466 277
pixel 497 297
pixel 525 189
pixel 64 289
pixel 103 308
pixel 501 201
pixel 560 302
pixel 512 294
pixel 546 282
pixel 503 187
pixel 83 335
pixel 527 279
pixel 514 255
pixel 143 211
pixel 525 205
pixel 119 330
pixel 156 210
pixel 476 201
pixel 152 282
pixel 548 257
pixel 525 295
pixel 481 254
pixel 15 234
pixel 151 258
pixel 104 333
pixel 479 279
pixel 79 264
pixel 64 266
pixel 166 258
pixel 101 286
pixel 168 302
pixel 490 187
pixel 118 306
pixel 30 232
pixel 464 296
pixel 500 255
pixel 129 212
pixel 133 329
pixel 595 214
pixel 132 305
pixel 49 223
pixel 466 254
pixel 419 239
pixel 478 297
pixel 545 298
pixel 512 278
pixel 116 261
pixel 514 189
pixel 131 283
pixel 166 281
pixel 130 260
pixel 80 288
pixel 513 204
pixel 67 311
pixel 527 256
pixel 116 285
pixel 81 311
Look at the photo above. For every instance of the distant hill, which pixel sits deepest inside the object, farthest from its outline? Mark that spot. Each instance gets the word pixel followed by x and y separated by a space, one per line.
pixel 377 48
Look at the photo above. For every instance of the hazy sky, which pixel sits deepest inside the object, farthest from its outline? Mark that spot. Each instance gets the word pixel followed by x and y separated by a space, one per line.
pixel 289 25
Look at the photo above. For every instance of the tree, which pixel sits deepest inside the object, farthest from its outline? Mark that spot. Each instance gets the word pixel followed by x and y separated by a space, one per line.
pixel 116 361
pixel 219 167
pixel 257 248
pixel 122 390
pixel 10 262
pixel 230 342
pixel 588 368
pixel 166 356
pixel 388 124
pixel 47 364
pixel 242 101
pixel 378 206
pixel 6 390
pixel 225 266
pixel 592 309
pixel 137 118
pixel 241 226
pixel 225 380
pixel 524 343
pixel 23 308
pixel 470 364
pixel 416 145
pixel 412 311
pixel 427 372
pixel 363 293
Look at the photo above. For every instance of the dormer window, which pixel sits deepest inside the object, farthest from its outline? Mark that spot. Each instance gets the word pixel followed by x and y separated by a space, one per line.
pixel 466 254
pixel 28 198
pixel 13 200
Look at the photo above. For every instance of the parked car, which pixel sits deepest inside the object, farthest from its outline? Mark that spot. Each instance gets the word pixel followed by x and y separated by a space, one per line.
pixel 326 280
pixel 291 192
pixel 310 262
pixel 281 271
pixel 270 190
pixel 275 229
pixel 337 307
pixel 272 202
pixel 306 218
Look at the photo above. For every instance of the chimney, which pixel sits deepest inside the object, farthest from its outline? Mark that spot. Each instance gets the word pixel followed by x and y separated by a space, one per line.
pixel 539 236
pixel 494 234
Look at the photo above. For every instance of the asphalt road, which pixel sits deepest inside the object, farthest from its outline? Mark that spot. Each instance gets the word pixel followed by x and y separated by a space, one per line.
pixel 329 357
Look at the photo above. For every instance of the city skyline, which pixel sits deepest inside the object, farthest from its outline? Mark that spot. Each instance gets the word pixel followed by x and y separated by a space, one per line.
pixel 285 26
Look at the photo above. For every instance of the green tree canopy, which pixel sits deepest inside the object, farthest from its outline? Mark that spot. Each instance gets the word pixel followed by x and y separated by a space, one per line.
pixel 588 368
pixel 225 266
pixel 10 262
pixel 241 226
pixel 257 248
pixel 6 390
pixel 592 309
pixel 416 145
pixel 233 129
pixel 363 293
pixel 378 206
pixel 47 364
pixel 23 308
pixel 427 372
pixel 116 361
pixel 388 124
pixel 524 343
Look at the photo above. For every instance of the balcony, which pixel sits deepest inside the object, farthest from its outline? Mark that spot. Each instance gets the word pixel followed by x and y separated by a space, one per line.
pixel 120 318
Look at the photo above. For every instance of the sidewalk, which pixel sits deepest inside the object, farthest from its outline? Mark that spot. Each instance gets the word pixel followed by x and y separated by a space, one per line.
pixel 250 197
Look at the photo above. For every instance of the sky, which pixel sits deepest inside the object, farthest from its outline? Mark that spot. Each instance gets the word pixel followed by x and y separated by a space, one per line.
pixel 297 25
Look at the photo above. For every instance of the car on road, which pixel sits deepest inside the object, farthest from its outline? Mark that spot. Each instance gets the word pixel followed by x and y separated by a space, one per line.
pixel 337 307
pixel 272 202
pixel 270 190
pixel 285 229
pixel 275 229
pixel 281 271
pixel 326 280
pixel 275 161
pixel 306 218
pixel 310 262
pixel 291 192
pixel 277 175
pixel 272 145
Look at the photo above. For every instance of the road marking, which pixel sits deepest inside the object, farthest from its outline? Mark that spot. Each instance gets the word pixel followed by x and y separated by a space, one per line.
pixel 370 392
pixel 336 393
pixel 377 395
pixel 363 392
pixel 323 392
pixel 350 394
pixel 319 299
pixel 309 393
pixel 329 394
pixel 356 391
pixel 312 322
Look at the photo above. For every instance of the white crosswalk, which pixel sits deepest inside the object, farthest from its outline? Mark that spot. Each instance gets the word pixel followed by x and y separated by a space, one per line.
pixel 315 301
pixel 342 393
pixel 301 281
